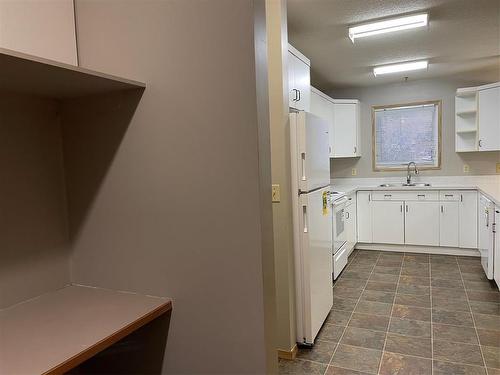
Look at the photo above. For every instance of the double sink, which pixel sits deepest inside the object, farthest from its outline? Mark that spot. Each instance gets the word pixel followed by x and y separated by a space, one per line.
pixel 419 184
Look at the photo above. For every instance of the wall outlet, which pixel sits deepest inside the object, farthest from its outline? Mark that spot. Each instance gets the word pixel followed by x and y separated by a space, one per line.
pixel 354 172
pixel 498 167
pixel 466 168
pixel 276 193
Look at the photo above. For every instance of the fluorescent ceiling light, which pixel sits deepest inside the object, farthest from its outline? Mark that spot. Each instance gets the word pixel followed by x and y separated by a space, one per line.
pixel 403 67
pixel 388 26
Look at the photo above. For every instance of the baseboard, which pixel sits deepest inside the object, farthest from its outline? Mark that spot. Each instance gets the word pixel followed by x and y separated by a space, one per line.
pixel 419 249
pixel 288 354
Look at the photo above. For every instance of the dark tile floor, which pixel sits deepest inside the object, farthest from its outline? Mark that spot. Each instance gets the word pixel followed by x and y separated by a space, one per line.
pixel 417 314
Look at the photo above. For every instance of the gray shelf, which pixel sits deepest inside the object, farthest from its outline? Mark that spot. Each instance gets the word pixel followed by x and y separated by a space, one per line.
pixel 55 332
pixel 28 74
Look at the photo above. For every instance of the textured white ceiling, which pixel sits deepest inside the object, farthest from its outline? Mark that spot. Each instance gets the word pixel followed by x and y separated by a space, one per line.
pixel 461 42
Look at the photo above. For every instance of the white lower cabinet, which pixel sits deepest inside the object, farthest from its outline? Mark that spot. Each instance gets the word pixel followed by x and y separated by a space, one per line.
pixel 468 220
pixel 422 223
pixel 449 224
pixel 388 222
pixel 364 216
pixel 350 223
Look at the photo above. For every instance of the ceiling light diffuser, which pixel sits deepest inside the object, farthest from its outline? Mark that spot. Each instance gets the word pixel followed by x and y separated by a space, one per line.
pixel 388 26
pixel 403 67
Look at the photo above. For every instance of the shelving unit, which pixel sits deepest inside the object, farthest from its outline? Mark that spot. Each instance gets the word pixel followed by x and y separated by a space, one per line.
pixel 57 331
pixel 466 120
pixel 27 74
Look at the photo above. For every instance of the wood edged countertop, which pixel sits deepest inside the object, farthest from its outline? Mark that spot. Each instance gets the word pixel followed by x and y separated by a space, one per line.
pixel 57 331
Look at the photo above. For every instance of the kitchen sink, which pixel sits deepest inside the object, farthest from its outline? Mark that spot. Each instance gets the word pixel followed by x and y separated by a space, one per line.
pixel 417 184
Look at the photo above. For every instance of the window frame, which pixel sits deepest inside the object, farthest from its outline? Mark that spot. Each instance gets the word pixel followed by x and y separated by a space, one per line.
pixel 439 105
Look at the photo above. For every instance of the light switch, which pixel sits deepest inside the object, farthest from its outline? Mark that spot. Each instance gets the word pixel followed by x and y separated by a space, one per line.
pixel 498 167
pixel 466 168
pixel 276 193
pixel 354 172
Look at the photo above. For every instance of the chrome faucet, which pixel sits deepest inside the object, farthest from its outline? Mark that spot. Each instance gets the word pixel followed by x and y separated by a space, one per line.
pixel 408 174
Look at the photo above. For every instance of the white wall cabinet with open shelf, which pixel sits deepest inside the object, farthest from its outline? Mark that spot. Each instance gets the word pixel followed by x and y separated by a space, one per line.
pixel 477 118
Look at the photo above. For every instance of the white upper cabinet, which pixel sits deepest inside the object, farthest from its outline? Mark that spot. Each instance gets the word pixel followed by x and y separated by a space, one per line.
pixel 477 118
pixel 322 106
pixel 489 119
pixel 343 118
pixel 39 28
pixel 346 126
pixel 299 80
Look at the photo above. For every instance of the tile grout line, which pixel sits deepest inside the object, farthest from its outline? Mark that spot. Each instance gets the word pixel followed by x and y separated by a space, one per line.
pixel 390 316
pixel 473 319
pixel 352 312
pixel 432 321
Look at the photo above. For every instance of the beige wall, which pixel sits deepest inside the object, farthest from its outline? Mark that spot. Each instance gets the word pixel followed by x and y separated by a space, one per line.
pixel 452 163
pixel 34 253
pixel 170 199
pixel 280 161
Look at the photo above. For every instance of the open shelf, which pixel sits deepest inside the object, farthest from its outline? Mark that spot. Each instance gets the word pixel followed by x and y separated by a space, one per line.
pixel 38 76
pixel 467 113
pixel 57 331
pixel 465 131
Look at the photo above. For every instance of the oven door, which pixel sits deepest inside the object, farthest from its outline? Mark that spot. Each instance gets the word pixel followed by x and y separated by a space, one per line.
pixel 339 233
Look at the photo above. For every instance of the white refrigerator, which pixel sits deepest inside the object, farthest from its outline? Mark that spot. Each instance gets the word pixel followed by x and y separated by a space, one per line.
pixel 312 222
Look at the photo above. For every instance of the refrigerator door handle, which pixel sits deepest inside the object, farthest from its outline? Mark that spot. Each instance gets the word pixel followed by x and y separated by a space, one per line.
pixel 303 163
pixel 304 218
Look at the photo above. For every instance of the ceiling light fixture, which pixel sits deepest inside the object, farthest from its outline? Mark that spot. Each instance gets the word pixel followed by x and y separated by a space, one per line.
pixel 388 26
pixel 403 67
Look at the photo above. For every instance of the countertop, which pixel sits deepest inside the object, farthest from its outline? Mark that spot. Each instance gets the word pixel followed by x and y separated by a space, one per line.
pixel 57 331
pixel 348 189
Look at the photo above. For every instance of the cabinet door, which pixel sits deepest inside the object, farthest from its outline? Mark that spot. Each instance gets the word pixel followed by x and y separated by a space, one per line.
pixel 489 119
pixel 345 126
pixel 422 223
pixel 350 222
pixel 292 89
pixel 40 28
pixel 468 220
pixel 388 222
pixel 364 216
pixel 449 224
pixel 496 257
pixel 302 81
pixel 323 108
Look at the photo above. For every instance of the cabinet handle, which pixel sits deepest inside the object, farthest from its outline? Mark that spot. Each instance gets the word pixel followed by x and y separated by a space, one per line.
pixel 369 197
pixel 299 96
pixel 304 218
pixel 461 197
pixel 421 195
pixel 487 212
pixel 355 150
pixel 480 143
pixel 406 208
pixel 401 208
pixel 448 195
pixel 347 216
pixel 388 195
pixel 330 149
pixel 442 209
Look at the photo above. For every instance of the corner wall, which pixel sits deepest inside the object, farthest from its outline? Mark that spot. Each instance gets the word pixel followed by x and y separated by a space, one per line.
pixel 175 209
pixel 481 163
pixel 281 174
pixel 34 255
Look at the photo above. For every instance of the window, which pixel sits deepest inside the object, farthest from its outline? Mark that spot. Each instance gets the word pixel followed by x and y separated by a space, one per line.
pixel 407 132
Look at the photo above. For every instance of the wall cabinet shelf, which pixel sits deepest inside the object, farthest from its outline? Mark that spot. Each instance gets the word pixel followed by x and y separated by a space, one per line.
pixel 26 74
pixel 59 330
